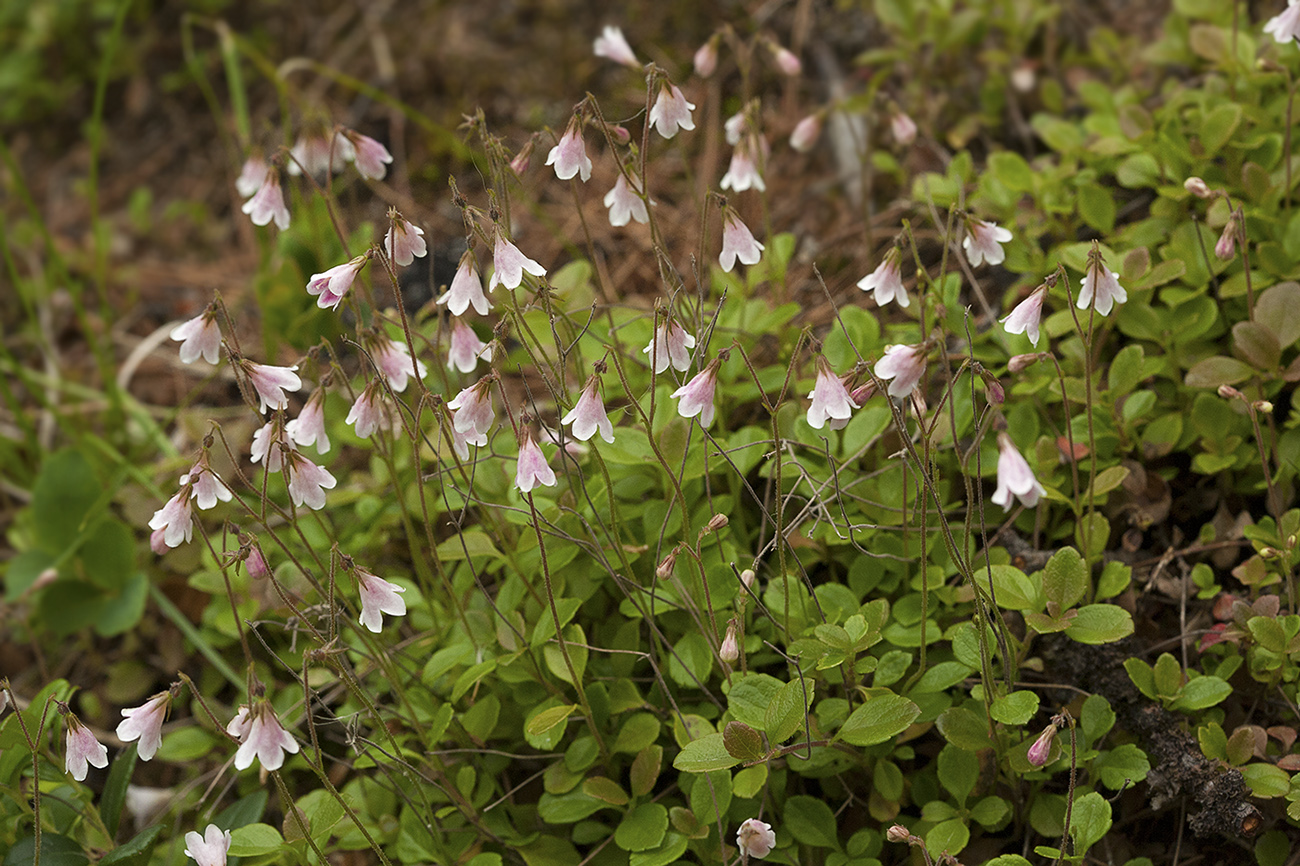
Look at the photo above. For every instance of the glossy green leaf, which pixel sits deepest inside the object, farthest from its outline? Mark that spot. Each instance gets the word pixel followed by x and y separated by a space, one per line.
pixel 878 719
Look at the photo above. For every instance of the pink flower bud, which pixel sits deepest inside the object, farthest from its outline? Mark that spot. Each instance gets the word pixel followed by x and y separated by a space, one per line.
pixel 1020 363
pixel 729 652
pixel 898 833
pixel 786 60
pixel 1197 187
pixel 664 570
pixel 1042 747
pixel 706 57
pixel 903 128
pixel 1226 248
pixel 806 133
pixel 256 564
pixel 716 522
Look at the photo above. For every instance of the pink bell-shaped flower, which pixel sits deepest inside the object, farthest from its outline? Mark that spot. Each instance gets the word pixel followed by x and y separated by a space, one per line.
pixel 1100 288
pixel 307 481
pixel 466 348
pixel 368 413
pixel 81 748
pixel 144 723
pixel 332 285
pixel 588 415
pixel 831 401
pixel 611 44
pixel 309 427
pixel 200 337
pixel 755 838
pixel 902 367
pixel 570 156
pixel 466 289
pixel 268 203
pixel 737 242
pixel 1027 316
pixel 624 204
pixel 532 468
pixel 1285 26
pixel 378 597
pixel 1015 478
pixel 211 848
pixel 270 383
pixel 393 359
pixel 509 264
pixel 743 173
pixel 886 281
pixel 670 345
pixel 983 242
pixel 260 736
pixel 671 111
pixel 175 519
pixel 371 157
pixel 473 410
pixel 696 396
pixel 404 242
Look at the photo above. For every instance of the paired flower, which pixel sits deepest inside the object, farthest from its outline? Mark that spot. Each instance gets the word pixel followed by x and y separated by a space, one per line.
pixel 333 285
pixel 393 360
pixel 368 413
pixel 211 848
pixel 1285 26
pixel 1100 288
pixel 317 154
pixel 251 176
pixel 588 414
pixel 371 157
pixel 270 383
pixel 806 132
pixel 307 481
pixel 696 396
pixel 670 345
pixel 81 747
pixel 473 411
pixel 570 156
pixel 144 723
pixel 624 204
pixel 509 264
pixel 466 289
pixel 902 127
pixel 200 337
pixel 831 402
pixel 174 520
pixel 755 838
pixel 532 468
pixel 904 365
pixel 743 173
pixel 205 486
pixel 404 242
pixel 309 427
pixel 1027 315
pixel 260 736
pixel 983 242
pixel 378 596
pixel 466 348
pixel 737 242
pixel 268 202
pixel 611 44
pixel 886 281
pixel 671 111
pixel 1014 477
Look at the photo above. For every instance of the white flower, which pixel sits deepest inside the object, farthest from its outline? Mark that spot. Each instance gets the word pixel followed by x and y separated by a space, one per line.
pixel 570 156
pixel 735 127
pixel 588 414
pixel 737 243
pixel 378 596
pixel 309 427
pixel 318 154
pixel 466 348
pixel 624 204
pixel 271 382
pixel 270 444
pixel 885 281
pixel 696 396
pixel 509 264
pixel 905 365
pixel 404 242
pixel 371 157
pixel 268 203
pixel 671 111
pixel 205 486
pixel 251 176
pixel 1101 288
pixel 983 242
pixel 1014 476
pixel 175 519
pixel 1025 318
pixel 532 468
pixel 209 851
pixel 466 289
pixel 742 173
pixel 1285 26
pixel 333 285
pixel 755 838
pixel 473 410
pixel 307 481
pixel 670 345
pixel 393 358
pixel 706 57
pixel 367 413
pixel 82 748
pixel 260 736
pixel 144 723
pixel 902 127
pixel 831 401
pixel 200 337
pixel 613 45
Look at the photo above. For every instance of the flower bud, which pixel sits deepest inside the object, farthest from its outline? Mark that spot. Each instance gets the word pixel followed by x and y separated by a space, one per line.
pixel 863 392
pixel 786 60
pixel 1226 248
pixel 1020 363
pixel 156 542
pixel 1042 747
pixel 618 133
pixel 903 128
pixel 747 578
pixel 716 522
pixel 806 133
pixel 898 833
pixel 1197 187
pixel 1228 392
pixel 665 567
pixel 993 389
pixel 706 57
pixel 1023 77
pixel 256 564
pixel 519 164
pixel 1263 406
pixel 729 652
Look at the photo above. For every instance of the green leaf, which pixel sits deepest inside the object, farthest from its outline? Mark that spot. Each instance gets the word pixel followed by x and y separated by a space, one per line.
pixel 940 678
pixel 108 555
pixel 1168 675
pixel 1096 718
pixel 1115 578
pixel 119 777
pixel 1065 578
pixel 61 498
pixel 645 769
pixel 964 729
pixel 1257 345
pixel 1011 586
pixel 750 697
pixel 119 613
pixel 1214 742
pixel 1142 676
pixel 1217 370
pixel 254 840
pixel 788 710
pixel 643 828
pixel 1200 693
pixel 880 718
pixel 638 732
pixel 990 812
pixel 707 753
pixel 1107 480
pixel 1016 708
pixel 1266 780
pixel 135 852
pixel 1126 763
pixel 959 771
pixel 547 719
pixel 468 544
pixel 568 808
pixel 951 836
pixel 1090 821
pixel 669 851
pixel 1097 207
pixel 56 850
pixel 1011 170
pixel 1126 370
pixel 1278 306
pixel 606 790
pixel 1100 623
pixel 811 822
pixel 243 811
